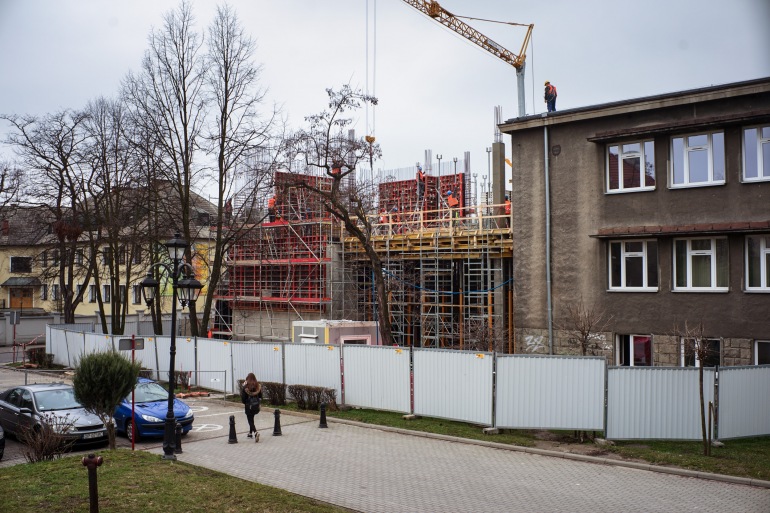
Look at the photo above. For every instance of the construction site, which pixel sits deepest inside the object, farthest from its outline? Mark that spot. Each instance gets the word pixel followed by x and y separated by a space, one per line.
pixel 442 234
pixel 446 249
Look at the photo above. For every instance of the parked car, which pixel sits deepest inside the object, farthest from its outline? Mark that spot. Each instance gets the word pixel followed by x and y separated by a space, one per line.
pixel 151 406
pixel 31 406
pixel 2 442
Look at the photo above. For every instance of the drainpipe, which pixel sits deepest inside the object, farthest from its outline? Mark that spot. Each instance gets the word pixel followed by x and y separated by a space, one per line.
pixel 548 240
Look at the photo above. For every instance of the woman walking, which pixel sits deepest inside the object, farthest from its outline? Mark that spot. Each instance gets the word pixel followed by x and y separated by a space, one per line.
pixel 251 396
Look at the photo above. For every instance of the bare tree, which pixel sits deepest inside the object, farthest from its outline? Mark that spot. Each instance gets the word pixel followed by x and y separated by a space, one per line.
pixel 49 147
pixel 168 100
pixel 237 133
pixel 325 145
pixel 584 327
pixel 697 349
pixel 10 182
pixel 116 230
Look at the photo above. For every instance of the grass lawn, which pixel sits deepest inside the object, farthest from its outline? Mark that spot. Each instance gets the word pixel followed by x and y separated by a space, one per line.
pixel 140 482
pixel 749 457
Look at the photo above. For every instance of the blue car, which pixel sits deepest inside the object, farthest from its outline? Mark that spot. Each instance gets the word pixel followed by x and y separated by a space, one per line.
pixel 151 405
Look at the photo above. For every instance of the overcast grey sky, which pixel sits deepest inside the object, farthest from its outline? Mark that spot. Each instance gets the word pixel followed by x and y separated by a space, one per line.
pixel 436 90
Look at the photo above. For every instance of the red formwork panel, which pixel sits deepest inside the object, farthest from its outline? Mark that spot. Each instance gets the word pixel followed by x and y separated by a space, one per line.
pixel 403 194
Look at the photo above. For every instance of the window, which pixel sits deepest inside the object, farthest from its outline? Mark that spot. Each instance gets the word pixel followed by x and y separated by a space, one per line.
pixel 79 257
pixel 633 350
pixel 701 264
pixel 631 167
pixel 106 255
pixel 634 265
pixel 137 294
pixel 122 255
pixel 698 160
pixel 106 293
pixel 92 293
pixel 762 352
pixel 695 349
pixel 121 293
pixel 756 154
pixel 55 292
pixel 44 292
pixel 137 254
pixel 758 262
pixel 55 257
pixel 21 264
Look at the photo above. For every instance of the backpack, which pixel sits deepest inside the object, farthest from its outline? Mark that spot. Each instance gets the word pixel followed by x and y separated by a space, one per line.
pixel 254 404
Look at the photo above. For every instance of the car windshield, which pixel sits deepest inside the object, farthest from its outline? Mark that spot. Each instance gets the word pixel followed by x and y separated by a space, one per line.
pixel 149 392
pixel 59 399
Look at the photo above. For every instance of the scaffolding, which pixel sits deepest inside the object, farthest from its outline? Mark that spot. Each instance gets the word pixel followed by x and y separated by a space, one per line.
pixel 447 269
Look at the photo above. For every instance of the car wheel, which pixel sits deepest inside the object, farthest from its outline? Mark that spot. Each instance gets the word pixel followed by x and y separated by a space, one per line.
pixel 130 430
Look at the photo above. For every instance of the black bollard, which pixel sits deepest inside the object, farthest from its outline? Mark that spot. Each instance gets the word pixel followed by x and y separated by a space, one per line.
pixel 178 444
pixel 91 462
pixel 233 439
pixel 277 426
pixel 323 416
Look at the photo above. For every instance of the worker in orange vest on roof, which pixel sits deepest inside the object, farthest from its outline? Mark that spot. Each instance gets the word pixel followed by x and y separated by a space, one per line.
pixel 550 96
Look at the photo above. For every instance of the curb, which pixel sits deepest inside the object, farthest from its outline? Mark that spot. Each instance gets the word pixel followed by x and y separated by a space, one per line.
pixel 759 483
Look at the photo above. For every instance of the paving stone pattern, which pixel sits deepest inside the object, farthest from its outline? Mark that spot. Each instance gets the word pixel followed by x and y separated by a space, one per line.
pixel 372 470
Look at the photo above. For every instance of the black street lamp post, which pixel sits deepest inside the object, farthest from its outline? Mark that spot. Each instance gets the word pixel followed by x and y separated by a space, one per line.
pixel 187 290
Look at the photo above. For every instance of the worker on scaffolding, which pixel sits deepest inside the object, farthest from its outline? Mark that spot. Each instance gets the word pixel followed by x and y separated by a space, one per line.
pixel 507 210
pixel 421 183
pixel 271 209
pixel 394 219
pixel 452 203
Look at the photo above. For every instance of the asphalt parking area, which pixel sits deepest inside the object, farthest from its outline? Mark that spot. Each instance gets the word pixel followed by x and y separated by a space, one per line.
pixel 212 420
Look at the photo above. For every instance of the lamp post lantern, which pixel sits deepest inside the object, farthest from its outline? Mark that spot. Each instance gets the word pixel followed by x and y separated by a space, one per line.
pixel 187 290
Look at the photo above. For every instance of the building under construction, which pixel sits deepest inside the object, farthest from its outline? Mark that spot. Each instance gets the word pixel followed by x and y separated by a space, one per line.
pixel 446 251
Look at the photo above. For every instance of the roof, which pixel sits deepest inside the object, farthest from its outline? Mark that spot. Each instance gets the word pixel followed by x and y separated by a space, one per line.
pixel 21 282
pixel 687 229
pixel 761 85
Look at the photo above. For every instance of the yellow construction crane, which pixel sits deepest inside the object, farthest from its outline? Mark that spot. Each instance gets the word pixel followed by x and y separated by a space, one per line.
pixel 446 18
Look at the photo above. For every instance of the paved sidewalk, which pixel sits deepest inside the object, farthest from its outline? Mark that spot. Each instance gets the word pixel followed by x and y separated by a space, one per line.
pixel 376 470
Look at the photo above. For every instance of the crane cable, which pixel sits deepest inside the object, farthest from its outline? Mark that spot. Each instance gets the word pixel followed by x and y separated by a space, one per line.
pixel 370 128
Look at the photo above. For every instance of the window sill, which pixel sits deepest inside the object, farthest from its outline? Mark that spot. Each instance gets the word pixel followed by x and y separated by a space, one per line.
pixel 696 185
pixel 708 291
pixel 632 289
pixel 757 291
pixel 627 191
pixel 755 180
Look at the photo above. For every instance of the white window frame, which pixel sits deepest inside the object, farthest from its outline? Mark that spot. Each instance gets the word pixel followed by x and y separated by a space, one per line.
pixel 106 294
pixel 756 349
pixel 683 341
pixel 688 150
pixel 623 256
pixel 353 340
pixel 55 294
pixel 701 252
pixel 764 268
pixel 761 141
pixel 630 349
pixel 642 154
pixel 92 293
pixel 44 292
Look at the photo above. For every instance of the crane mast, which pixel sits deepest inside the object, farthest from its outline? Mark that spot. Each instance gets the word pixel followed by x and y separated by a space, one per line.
pixel 434 10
